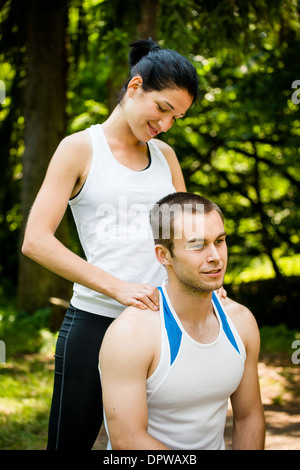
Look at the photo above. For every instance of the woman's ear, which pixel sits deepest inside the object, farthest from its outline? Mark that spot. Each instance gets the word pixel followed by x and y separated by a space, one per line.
pixel 163 255
pixel 134 85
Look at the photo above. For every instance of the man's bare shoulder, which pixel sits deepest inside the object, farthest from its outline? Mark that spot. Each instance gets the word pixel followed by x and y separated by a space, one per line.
pixel 132 338
pixel 137 318
pixel 134 324
pixel 242 318
pixel 235 309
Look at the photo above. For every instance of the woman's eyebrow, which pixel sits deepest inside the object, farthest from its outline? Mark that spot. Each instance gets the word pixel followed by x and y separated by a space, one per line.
pixel 172 107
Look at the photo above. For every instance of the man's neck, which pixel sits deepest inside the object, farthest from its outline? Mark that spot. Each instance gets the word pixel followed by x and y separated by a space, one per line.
pixel 195 312
pixel 190 305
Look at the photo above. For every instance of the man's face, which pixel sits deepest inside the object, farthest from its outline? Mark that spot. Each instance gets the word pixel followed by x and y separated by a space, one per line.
pixel 200 255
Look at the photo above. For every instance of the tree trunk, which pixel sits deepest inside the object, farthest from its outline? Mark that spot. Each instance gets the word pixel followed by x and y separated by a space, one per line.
pixel 148 22
pixel 45 124
pixel 142 18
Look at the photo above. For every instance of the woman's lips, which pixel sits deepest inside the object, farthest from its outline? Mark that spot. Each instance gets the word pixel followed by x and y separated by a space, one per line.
pixel 153 131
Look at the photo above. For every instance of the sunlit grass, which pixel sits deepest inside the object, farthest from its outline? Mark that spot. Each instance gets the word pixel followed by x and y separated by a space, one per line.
pixel 26 384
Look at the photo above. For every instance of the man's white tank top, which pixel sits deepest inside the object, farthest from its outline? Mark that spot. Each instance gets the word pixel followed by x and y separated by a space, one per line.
pixel 111 213
pixel 188 392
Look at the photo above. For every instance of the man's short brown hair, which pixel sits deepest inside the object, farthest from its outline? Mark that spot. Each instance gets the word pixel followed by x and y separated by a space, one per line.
pixel 163 213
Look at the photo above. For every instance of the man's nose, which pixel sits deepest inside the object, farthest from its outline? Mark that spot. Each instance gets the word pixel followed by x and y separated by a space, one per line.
pixel 213 254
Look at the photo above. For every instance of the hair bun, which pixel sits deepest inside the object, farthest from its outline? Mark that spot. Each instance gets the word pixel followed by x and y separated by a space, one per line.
pixel 140 49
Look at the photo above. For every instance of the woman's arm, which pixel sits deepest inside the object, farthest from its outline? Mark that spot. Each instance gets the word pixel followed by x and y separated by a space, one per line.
pixel 65 175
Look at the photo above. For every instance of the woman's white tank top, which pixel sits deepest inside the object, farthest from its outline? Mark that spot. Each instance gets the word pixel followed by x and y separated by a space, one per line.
pixel 111 213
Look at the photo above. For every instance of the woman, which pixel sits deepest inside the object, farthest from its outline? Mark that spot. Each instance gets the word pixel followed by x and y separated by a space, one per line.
pixel 110 175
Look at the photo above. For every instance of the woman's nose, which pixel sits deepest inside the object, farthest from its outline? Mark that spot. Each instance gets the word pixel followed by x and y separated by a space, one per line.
pixel 166 123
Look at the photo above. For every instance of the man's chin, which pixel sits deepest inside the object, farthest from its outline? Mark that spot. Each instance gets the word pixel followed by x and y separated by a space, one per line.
pixel 211 286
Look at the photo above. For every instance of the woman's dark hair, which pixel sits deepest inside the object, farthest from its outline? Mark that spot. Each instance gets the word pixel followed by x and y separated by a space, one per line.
pixel 160 68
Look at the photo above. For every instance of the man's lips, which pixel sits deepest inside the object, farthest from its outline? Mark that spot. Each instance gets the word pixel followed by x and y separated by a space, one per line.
pixel 213 272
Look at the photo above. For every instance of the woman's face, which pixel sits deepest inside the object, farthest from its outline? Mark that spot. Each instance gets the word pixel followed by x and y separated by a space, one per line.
pixel 149 113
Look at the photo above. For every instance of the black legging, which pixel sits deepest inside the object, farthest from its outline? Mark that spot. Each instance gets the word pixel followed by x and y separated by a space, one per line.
pixel 76 412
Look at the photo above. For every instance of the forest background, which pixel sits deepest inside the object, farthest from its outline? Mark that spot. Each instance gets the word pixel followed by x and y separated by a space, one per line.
pixel 62 62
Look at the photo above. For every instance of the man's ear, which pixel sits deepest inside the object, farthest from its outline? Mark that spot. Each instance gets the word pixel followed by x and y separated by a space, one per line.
pixel 163 255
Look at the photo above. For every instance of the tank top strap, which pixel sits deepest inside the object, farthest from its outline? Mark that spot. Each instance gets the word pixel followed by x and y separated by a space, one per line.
pixel 173 331
pixel 228 326
pixel 100 145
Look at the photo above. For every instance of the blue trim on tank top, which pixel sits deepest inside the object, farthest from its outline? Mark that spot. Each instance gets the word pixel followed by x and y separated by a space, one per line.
pixel 225 324
pixel 173 330
pixel 175 334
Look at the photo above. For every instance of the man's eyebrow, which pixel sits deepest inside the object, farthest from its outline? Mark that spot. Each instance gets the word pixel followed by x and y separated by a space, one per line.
pixel 193 240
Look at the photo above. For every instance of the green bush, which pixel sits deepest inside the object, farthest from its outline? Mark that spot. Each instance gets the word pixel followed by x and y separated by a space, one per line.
pixel 277 339
pixel 22 333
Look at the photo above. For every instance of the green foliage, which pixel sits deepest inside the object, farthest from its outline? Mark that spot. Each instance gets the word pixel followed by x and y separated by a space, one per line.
pixel 25 396
pixel 239 145
pixel 22 333
pixel 26 379
pixel 272 301
pixel 278 339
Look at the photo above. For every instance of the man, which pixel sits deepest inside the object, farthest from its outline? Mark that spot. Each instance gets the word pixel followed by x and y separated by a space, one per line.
pixel 167 375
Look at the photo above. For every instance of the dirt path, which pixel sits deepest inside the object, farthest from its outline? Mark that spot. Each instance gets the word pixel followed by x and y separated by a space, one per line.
pixel 280 387
pixel 280 390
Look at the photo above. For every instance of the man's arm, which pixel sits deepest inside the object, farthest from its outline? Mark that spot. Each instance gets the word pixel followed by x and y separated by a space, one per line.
pixel 126 355
pixel 248 415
